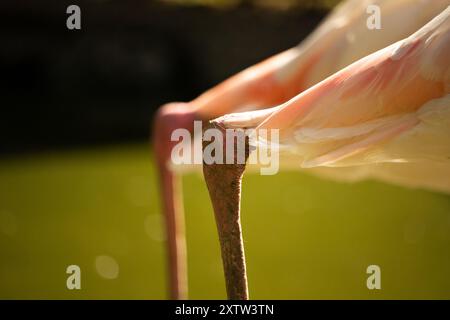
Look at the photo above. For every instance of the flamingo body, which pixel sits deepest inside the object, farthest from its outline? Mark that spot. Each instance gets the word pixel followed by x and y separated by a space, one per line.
pixel 392 106
pixel 385 116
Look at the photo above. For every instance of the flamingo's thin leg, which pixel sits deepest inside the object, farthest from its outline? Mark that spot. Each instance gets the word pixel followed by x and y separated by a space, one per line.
pixel 175 230
pixel 166 121
pixel 224 185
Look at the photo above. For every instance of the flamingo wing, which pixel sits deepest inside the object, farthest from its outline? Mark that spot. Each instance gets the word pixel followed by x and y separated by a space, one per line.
pixel 389 107
pixel 373 100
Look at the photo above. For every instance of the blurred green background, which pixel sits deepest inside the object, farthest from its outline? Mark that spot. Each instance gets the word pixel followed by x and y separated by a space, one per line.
pixel 305 238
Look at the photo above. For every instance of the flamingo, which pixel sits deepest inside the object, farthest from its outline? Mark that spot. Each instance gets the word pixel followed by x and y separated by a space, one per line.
pixel 308 107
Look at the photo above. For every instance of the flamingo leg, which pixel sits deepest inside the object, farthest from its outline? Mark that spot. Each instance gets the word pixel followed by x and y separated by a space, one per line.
pixel 175 229
pixel 169 118
pixel 224 185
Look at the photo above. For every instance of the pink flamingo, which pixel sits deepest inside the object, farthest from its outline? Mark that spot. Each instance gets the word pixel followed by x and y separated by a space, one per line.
pixel 374 111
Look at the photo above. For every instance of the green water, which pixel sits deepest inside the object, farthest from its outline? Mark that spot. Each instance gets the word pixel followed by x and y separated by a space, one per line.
pixel 304 237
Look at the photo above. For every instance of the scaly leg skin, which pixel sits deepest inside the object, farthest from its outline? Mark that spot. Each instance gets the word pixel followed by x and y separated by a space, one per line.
pixel 224 185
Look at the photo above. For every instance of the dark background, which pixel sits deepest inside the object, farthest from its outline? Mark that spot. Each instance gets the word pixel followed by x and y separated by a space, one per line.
pixel 101 84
